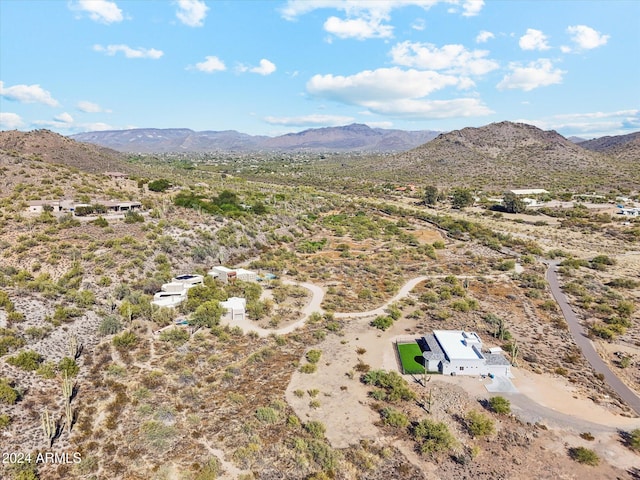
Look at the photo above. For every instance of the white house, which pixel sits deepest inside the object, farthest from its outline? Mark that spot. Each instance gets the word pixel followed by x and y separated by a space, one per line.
pixel 235 307
pixel 629 212
pixel 169 299
pixel 188 280
pixel 226 275
pixel 456 352
pixel 529 191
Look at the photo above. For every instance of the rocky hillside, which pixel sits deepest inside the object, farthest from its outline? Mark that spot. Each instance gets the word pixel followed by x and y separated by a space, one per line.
pixel 51 147
pixel 508 154
pixel 624 147
pixel 355 137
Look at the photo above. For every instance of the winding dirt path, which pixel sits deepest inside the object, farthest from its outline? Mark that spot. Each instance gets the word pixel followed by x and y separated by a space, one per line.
pixel 314 305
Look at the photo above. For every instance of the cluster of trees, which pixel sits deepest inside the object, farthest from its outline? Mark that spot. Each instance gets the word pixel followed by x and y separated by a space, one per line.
pixel 225 203
pixel 463 197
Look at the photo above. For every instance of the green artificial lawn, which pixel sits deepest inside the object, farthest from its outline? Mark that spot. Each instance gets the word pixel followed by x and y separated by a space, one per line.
pixel 411 357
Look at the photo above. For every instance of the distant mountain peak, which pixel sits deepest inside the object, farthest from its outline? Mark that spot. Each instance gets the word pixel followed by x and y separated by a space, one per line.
pixel 353 137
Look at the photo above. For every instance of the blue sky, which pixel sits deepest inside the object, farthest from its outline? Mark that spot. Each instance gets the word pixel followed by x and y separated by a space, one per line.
pixel 272 67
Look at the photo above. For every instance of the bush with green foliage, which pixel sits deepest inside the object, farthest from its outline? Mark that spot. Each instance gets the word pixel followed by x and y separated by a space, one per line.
pixel 500 405
pixel 8 394
pixel 479 424
pixel 125 340
pixel 394 387
pixel 633 439
pixel 159 185
pixel 110 325
pixel 382 322
pixel 313 356
pixel 433 436
pixel 26 360
pixel 133 217
pixel 584 455
pixel 266 415
pixel 315 429
pixel 69 366
pixel 394 418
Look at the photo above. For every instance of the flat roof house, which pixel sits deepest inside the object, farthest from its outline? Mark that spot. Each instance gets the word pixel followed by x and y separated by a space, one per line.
pixel 39 206
pixel 529 191
pixel 225 274
pixel 456 352
pixel 235 307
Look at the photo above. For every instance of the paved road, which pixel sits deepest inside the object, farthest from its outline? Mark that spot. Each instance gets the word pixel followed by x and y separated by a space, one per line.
pixel 589 352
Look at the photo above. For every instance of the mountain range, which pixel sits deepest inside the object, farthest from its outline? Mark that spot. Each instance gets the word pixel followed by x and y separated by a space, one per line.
pixel 352 138
pixel 497 155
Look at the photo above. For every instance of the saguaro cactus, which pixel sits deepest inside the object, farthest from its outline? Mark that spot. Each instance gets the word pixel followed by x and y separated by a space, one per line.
pixel 49 427
pixel 67 388
pixel 74 347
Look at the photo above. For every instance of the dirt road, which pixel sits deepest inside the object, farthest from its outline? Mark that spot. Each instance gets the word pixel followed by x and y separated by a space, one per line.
pixel 588 350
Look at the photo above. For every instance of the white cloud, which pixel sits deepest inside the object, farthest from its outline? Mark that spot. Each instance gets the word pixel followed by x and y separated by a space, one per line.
pixel 64 117
pixel 425 109
pixel 471 8
pixel 90 107
pixel 381 84
pixel 364 18
pixel 591 124
pixel 397 92
pixel 211 64
pixel 310 120
pixel 192 12
pixel 484 36
pixel 266 67
pixel 95 127
pixel 129 52
pixel 419 24
pixel 102 11
pixel 359 28
pixel 539 73
pixel 10 121
pixel 28 94
pixel 451 58
pixel 533 40
pixel 381 124
pixel 585 38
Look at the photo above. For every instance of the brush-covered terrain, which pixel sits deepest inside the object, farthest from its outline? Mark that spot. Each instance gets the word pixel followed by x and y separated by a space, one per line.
pixel 110 387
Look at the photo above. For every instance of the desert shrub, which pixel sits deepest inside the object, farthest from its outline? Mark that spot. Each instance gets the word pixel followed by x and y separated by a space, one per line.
pixel 394 386
pixel 313 356
pixel 69 366
pixel 125 340
pixel 176 336
pixel 267 415
pixel 479 424
pixel 159 185
pixel 392 417
pixel 500 405
pixel 383 322
pixel 26 360
pixel 5 420
pixel 8 394
pixel 157 434
pixel 308 368
pixel 101 222
pixel 133 217
pixel 315 429
pixel 633 439
pixel 433 436
pixel 110 325
pixel 584 455
pixel 323 455
pixel 209 471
